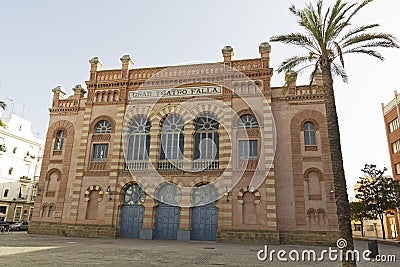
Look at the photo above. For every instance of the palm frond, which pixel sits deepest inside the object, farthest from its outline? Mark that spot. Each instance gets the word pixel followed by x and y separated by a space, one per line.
pixel 329 34
pixel 295 39
pixel 313 23
pixel 385 44
pixel 356 30
pixel 356 10
pixel 313 73
pixel 365 37
pixel 368 52
pixel 337 20
pixel 3 105
pixel 292 63
pixel 339 71
pixel 339 52
pixel 296 13
pixel 290 79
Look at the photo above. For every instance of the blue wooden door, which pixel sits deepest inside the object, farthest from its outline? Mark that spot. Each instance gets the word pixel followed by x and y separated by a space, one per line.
pixel 204 223
pixel 131 221
pixel 132 211
pixel 167 222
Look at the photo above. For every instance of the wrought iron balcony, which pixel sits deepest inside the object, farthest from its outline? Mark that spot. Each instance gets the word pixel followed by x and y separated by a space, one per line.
pixel 170 164
pixel 136 165
pixel 205 165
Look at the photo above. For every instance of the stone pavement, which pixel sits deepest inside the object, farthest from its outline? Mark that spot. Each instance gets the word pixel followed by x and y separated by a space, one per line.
pixel 380 240
pixel 21 249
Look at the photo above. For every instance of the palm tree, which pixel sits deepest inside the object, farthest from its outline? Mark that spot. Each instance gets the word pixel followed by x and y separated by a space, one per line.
pixel 3 106
pixel 329 36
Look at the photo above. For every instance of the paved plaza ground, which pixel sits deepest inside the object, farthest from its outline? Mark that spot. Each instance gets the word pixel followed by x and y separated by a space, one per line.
pixel 22 249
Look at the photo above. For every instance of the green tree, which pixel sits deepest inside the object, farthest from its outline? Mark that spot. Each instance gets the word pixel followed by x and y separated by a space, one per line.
pixel 378 192
pixel 328 36
pixel 359 212
pixel 3 106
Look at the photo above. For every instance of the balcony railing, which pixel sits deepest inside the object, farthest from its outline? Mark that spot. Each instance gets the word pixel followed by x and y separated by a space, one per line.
pixel 170 164
pixel 205 165
pixel 137 165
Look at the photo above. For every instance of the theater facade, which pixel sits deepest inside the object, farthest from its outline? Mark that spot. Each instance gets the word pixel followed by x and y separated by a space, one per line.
pixel 191 152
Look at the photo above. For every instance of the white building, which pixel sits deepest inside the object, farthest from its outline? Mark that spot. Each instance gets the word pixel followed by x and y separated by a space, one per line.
pixel 20 161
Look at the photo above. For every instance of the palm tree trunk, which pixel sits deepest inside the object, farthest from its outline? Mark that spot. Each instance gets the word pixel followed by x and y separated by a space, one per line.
pixel 341 197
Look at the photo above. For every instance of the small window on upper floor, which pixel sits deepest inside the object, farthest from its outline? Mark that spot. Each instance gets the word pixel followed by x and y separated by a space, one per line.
pixel 6 193
pixel 59 142
pixel 396 146
pixel 394 125
pixel 15 150
pixel 10 170
pixel 309 134
pixel 247 121
pixel 397 168
pixel 100 152
pixel 248 149
pixel 103 126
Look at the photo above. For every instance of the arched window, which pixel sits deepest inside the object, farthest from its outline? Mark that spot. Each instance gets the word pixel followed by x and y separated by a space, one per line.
pixel 172 138
pixel 247 121
pixel 309 134
pixel 206 138
pixel 133 195
pixel 52 208
pixel 103 126
pixel 6 193
pixel 311 217
pixel 58 144
pixel 139 139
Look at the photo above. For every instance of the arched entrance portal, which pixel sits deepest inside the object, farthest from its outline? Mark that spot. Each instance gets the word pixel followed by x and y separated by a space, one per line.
pixel 167 212
pixel 132 211
pixel 204 213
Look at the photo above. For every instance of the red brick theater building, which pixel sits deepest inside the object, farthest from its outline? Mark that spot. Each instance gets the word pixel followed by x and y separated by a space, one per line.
pixel 391 118
pixel 191 152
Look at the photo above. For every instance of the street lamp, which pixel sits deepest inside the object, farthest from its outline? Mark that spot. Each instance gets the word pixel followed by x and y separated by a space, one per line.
pixel 331 192
pixel 109 193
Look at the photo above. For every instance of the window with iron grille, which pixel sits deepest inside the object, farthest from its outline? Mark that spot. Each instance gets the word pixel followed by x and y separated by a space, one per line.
pixel 206 138
pixel 247 121
pixel 396 146
pixel 172 138
pixel 103 126
pixel 139 139
pixel 100 152
pixel 394 125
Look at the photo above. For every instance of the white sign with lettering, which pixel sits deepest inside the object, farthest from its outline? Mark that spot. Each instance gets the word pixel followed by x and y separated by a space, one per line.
pixel 175 92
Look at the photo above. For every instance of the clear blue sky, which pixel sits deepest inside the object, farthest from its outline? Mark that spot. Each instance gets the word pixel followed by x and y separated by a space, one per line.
pixel 49 43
